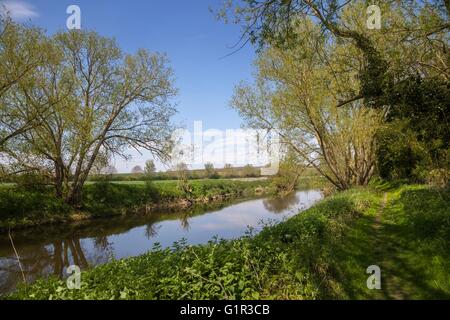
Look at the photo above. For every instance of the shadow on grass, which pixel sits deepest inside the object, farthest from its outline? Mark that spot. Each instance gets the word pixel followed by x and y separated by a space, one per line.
pixel 416 234
pixel 411 245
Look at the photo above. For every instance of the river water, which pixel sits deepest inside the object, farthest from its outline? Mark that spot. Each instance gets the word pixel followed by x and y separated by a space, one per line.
pixel 49 250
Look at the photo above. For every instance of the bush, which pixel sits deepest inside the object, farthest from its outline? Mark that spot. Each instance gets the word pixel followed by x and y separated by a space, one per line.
pixel 17 203
pixel 438 178
pixel 32 182
pixel 102 197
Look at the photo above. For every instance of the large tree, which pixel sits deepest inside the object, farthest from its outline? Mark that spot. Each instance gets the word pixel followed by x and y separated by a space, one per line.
pixel 137 170
pixel 104 103
pixel 404 68
pixel 296 94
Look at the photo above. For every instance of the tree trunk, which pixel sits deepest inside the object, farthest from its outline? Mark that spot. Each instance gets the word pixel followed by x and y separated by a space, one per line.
pixel 59 179
pixel 75 196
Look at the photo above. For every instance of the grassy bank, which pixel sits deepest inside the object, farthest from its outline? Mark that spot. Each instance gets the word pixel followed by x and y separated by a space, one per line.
pixel 24 208
pixel 322 253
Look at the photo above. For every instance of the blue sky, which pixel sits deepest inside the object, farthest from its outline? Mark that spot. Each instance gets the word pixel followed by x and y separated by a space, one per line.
pixel 186 30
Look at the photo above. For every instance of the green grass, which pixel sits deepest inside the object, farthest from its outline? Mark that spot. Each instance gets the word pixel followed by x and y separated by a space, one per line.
pixel 410 244
pixel 321 253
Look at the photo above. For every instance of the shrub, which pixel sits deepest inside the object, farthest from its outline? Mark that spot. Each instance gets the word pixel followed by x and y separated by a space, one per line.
pixel 18 203
pixel 438 178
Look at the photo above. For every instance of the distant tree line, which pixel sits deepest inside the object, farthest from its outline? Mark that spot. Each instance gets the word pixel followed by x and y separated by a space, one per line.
pixel 247 171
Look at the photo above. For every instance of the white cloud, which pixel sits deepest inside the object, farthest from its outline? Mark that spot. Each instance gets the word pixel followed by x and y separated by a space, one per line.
pixel 18 10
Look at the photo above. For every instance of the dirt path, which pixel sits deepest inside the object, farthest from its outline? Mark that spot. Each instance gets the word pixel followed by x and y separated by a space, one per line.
pixel 385 251
pixel 413 263
pixel 380 211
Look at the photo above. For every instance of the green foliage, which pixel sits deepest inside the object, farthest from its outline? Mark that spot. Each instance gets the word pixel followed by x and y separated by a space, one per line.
pixel 402 70
pixel 439 178
pixel 210 171
pixel 250 171
pixel 149 169
pixel 22 207
pixel 416 140
pixel 197 174
pixel 32 181
pixel 399 152
pixel 90 102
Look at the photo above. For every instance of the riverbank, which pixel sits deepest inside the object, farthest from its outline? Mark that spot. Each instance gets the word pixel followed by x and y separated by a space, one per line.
pixel 29 208
pixel 321 253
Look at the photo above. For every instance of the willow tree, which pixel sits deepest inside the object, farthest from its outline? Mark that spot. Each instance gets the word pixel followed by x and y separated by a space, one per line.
pixel 297 94
pixel 404 70
pixel 23 50
pixel 103 104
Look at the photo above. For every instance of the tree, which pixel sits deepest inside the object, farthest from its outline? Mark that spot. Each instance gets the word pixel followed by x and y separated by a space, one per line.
pixel 104 103
pixel 248 170
pixel 210 171
pixel 273 23
pixel 290 170
pixel 228 170
pixel 137 170
pixel 182 172
pixel 296 94
pixel 402 70
pixel 150 168
pixel 109 170
pixel 416 138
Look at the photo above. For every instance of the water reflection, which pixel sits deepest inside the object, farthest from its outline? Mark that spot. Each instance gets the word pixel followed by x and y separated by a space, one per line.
pixel 49 250
pixel 280 205
pixel 151 231
pixel 49 259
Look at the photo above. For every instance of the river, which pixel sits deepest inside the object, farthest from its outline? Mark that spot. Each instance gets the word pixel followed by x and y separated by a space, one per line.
pixel 49 250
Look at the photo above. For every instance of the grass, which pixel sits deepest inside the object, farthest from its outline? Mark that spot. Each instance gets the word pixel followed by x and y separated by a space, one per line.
pixel 410 243
pixel 321 253
pixel 416 255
